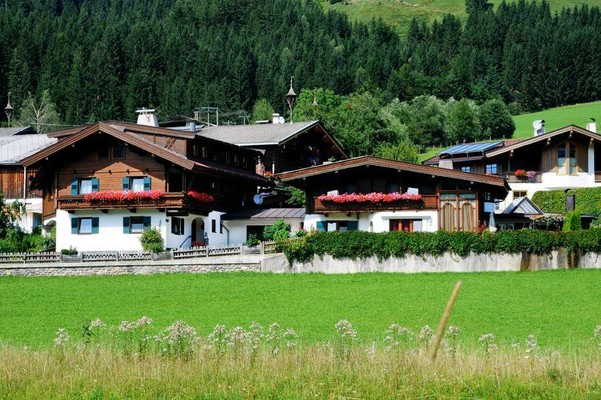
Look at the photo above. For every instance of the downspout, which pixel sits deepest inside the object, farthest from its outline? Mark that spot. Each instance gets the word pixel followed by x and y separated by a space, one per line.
pixel 24 183
pixel 227 230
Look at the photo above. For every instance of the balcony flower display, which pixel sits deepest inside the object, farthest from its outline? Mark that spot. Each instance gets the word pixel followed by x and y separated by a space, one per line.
pixel 521 173
pixel 531 175
pixel 368 198
pixel 201 197
pixel 127 196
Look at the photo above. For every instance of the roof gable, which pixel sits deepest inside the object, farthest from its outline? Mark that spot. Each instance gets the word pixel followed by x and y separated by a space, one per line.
pixel 392 164
pixel 570 129
pixel 128 137
pixel 522 205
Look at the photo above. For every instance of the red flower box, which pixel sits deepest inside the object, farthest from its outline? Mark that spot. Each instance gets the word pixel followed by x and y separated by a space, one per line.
pixel 128 196
pixel 368 198
pixel 201 197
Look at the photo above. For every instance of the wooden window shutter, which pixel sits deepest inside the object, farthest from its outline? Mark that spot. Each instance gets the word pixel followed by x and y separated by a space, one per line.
pixel 352 225
pixel 95 224
pixel 321 226
pixel 74 224
pixel 74 186
pixel 95 184
pixel 147 183
pixel 125 224
pixel 146 222
pixel 126 183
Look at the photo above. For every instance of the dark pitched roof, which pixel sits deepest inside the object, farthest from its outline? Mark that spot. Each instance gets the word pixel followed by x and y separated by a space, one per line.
pixel 545 136
pixel 522 205
pixel 258 134
pixel 16 130
pixel 15 148
pixel 392 164
pixel 119 132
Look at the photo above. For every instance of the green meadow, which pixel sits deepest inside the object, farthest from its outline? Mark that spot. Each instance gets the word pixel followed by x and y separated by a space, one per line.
pixel 559 117
pixel 559 307
pixel 399 13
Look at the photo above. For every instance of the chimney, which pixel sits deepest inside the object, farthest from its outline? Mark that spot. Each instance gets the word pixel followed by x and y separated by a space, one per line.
pixel 591 125
pixel 196 115
pixel 147 117
pixel 276 119
pixel 539 127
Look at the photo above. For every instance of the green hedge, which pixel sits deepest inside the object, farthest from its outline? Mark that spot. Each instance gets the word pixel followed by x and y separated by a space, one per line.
pixel 588 201
pixel 359 244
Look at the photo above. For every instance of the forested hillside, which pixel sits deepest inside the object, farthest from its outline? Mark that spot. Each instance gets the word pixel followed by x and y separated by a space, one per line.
pixel 101 60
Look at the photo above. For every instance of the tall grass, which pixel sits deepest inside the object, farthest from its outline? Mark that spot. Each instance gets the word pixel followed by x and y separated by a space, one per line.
pixel 314 371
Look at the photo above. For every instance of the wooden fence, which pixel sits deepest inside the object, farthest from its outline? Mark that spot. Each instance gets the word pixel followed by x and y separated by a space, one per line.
pixel 175 254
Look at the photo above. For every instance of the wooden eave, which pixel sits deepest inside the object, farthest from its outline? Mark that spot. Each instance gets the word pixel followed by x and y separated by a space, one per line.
pixel 308 172
pixel 66 132
pixel 152 130
pixel 546 136
pixel 129 138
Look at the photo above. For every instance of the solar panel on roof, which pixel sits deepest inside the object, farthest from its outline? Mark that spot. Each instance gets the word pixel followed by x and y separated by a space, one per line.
pixel 467 148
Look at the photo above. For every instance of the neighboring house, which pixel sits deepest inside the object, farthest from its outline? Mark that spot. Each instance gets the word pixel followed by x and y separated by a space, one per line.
pixel 17 143
pixel 378 195
pixel 569 157
pixel 241 224
pixel 520 213
pixel 285 146
pixel 104 183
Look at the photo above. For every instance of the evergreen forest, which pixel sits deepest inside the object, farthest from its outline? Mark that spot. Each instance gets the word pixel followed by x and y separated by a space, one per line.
pixel 100 60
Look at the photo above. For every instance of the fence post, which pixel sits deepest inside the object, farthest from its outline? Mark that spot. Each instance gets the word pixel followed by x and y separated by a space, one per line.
pixel 262 248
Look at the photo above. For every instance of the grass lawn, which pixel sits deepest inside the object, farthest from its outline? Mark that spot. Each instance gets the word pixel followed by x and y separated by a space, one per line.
pixel 399 13
pixel 559 307
pixel 556 118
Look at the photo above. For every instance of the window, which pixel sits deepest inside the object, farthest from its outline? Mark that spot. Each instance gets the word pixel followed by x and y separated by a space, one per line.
pixel 118 153
pixel 466 168
pixel 491 169
pixel 213 226
pixel 566 158
pixel 177 226
pixel 84 185
pixel 405 225
pixel 519 193
pixel 137 184
pixel 337 226
pixel 84 225
pixel 135 224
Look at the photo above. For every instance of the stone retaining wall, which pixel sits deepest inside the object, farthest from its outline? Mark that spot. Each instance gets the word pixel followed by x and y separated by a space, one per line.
pixel 237 263
pixel 277 263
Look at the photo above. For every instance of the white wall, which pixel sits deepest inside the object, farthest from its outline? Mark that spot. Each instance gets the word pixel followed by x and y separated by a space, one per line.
pixel 237 228
pixel 110 234
pixel 378 221
pixel 32 206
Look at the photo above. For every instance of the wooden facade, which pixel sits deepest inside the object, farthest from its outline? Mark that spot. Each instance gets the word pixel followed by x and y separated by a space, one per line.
pixel 105 159
pixel 457 197
pixel 14 182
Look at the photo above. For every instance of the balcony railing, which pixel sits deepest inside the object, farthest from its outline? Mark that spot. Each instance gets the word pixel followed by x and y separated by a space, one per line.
pixel 512 178
pixel 77 202
pixel 428 202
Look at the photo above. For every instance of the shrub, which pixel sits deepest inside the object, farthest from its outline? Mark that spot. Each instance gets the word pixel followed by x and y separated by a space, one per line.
pixel 252 240
pixel 572 222
pixel 279 231
pixel 360 244
pixel 71 251
pixel 152 240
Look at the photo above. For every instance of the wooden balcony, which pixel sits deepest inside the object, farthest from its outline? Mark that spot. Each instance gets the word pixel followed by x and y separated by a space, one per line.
pixel 511 178
pixel 77 202
pixel 428 202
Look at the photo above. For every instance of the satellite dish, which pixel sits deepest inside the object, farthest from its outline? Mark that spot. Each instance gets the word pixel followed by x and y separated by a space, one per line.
pixel 258 199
